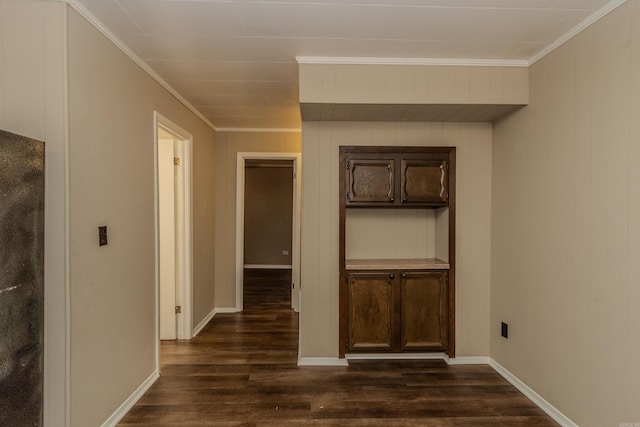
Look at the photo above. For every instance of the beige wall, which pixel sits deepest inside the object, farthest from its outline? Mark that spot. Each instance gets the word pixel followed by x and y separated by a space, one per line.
pixel 319 309
pixel 390 233
pixel 32 99
pixel 566 227
pixel 111 182
pixel 204 213
pixel 228 145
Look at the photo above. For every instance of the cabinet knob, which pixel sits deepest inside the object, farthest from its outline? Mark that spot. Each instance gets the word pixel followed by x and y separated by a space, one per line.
pixel 404 199
pixel 404 275
pixel 391 199
pixel 391 276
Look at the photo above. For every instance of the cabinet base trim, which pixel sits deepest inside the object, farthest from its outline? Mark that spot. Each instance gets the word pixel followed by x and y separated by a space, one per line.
pixel 322 361
pixel 395 356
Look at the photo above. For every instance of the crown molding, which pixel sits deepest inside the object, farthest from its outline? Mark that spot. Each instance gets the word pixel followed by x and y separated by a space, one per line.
pixel 593 18
pixel 85 13
pixel 412 61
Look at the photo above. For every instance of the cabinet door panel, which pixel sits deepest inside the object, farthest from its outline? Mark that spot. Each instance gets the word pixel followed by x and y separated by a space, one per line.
pixel 370 311
pixel 424 310
pixel 370 181
pixel 424 181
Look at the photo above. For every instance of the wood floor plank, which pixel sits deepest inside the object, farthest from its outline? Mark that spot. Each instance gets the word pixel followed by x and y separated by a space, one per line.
pixel 242 371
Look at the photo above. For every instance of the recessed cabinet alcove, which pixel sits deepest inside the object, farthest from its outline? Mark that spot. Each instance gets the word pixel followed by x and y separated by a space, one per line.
pixel 397 249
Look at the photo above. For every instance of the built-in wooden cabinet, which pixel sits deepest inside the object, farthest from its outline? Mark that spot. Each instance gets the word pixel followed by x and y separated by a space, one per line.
pixel 424 310
pixel 371 181
pixel 398 305
pixel 397 310
pixel 371 304
pixel 424 181
pixel 396 179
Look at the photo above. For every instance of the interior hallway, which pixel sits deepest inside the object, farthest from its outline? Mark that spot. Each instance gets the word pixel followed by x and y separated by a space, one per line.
pixel 241 370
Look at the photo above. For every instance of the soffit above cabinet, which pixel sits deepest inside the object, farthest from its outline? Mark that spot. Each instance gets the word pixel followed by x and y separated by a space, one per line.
pixel 413 93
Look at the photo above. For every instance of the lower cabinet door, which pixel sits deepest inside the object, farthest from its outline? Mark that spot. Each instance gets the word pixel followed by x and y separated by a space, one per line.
pixel 371 311
pixel 424 316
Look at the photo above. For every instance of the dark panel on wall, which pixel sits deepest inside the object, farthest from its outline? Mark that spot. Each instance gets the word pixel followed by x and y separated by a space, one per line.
pixel 268 212
pixel 21 279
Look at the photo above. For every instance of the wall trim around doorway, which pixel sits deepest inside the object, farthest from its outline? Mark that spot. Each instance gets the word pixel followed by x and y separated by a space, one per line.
pixel 184 226
pixel 295 247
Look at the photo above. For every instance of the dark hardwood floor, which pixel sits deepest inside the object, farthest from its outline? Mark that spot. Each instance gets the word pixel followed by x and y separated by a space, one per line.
pixel 241 371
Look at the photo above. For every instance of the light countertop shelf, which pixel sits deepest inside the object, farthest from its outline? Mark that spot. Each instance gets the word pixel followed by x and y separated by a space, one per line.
pixel 397 264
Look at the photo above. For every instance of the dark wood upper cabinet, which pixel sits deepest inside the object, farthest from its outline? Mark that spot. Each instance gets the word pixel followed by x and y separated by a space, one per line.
pixel 371 181
pixel 396 179
pixel 424 181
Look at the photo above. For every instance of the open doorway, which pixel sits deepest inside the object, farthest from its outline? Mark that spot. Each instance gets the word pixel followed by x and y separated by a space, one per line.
pixel 268 233
pixel 280 251
pixel 173 231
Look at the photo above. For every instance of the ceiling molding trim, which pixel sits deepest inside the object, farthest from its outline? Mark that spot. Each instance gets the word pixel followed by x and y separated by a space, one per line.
pixel 412 61
pixel 135 58
pixel 593 18
pixel 261 130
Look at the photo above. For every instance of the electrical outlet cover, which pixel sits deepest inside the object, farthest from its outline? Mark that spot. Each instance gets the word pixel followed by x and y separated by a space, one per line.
pixel 102 235
pixel 505 330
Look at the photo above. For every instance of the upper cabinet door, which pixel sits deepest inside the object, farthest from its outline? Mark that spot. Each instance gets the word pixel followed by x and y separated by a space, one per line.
pixel 424 181
pixel 370 181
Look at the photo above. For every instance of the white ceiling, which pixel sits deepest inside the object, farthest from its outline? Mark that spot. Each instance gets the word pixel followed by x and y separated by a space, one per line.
pixel 235 60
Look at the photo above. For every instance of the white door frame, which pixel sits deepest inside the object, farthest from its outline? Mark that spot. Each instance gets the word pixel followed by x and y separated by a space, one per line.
pixel 184 228
pixel 295 244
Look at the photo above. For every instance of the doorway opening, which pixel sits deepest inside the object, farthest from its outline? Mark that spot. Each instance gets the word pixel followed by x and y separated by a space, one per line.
pixel 173 218
pixel 254 171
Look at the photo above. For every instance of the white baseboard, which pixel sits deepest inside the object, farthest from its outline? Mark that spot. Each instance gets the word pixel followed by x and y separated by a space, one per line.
pixel 267 266
pixel 538 400
pixel 547 407
pixel 396 356
pixel 220 310
pixel 208 317
pixel 474 360
pixel 126 406
pixel 543 404
pixel 322 361
pixel 203 323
